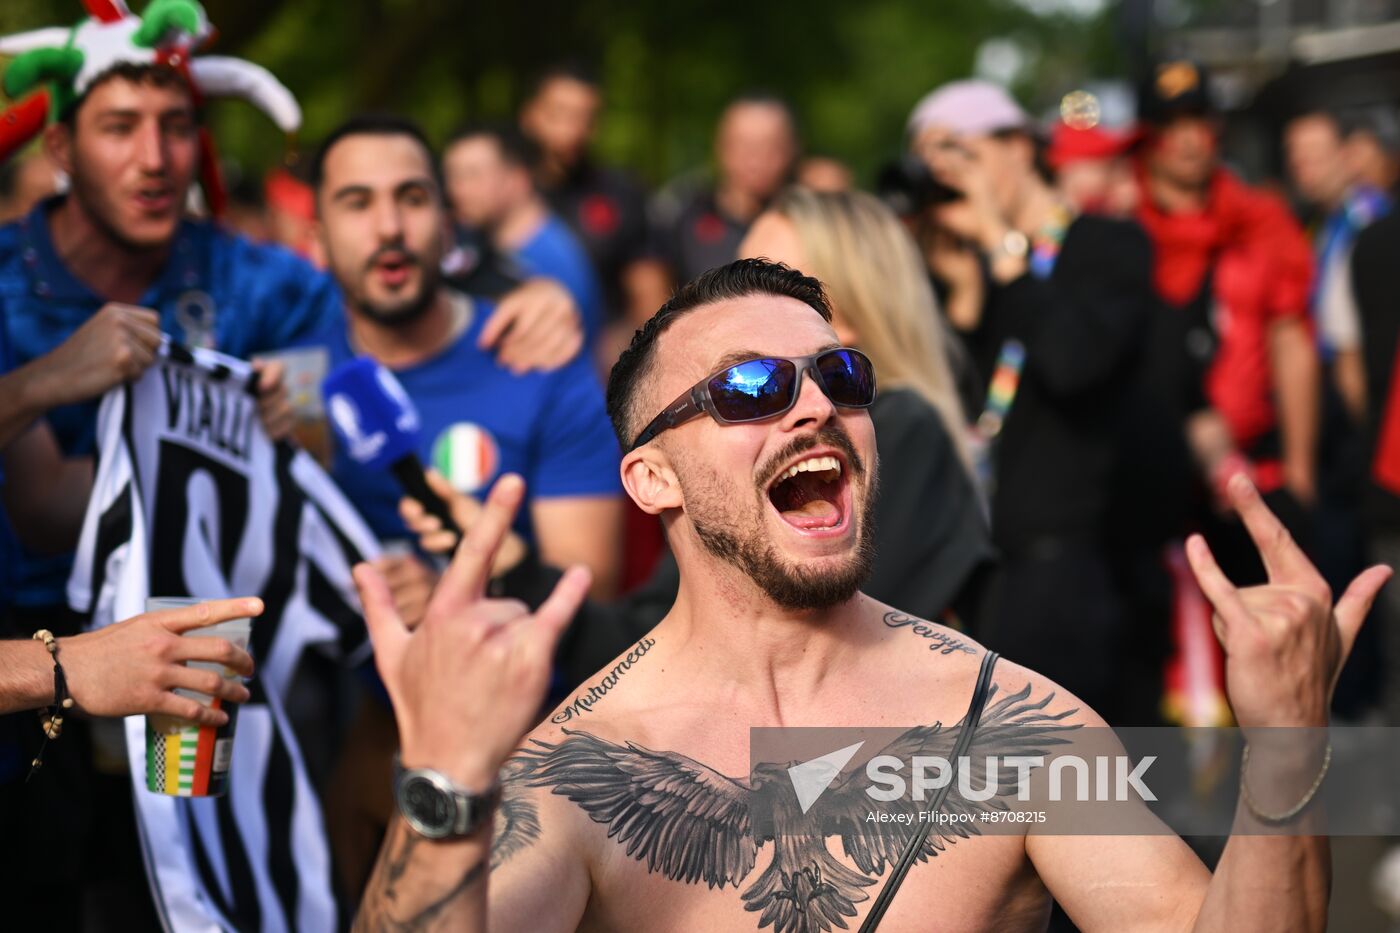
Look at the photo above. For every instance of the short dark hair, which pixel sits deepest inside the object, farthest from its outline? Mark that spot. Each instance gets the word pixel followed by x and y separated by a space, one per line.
pixel 370 124
pixel 571 70
pixel 515 147
pixel 156 74
pixel 1378 122
pixel 1319 113
pixel 738 279
pixel 760 97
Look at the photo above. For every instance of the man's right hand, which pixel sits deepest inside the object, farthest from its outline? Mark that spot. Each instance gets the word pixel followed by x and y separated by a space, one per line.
pixel 537 327
pixel 134 666
pixel 113 346
pixel 468 682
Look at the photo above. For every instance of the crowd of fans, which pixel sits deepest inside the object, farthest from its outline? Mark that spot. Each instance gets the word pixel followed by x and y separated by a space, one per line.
pixel 1080 334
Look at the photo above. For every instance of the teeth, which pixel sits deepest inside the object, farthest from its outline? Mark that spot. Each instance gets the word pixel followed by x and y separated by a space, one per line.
pixel 812 465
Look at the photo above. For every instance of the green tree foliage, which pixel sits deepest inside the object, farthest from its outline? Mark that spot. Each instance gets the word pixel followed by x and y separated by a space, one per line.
pixel 852 69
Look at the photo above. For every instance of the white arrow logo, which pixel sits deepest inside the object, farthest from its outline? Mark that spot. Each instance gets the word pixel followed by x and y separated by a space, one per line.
pixel 811 778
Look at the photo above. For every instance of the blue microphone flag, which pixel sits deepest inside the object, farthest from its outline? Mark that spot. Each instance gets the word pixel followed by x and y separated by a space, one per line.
pixel 373 417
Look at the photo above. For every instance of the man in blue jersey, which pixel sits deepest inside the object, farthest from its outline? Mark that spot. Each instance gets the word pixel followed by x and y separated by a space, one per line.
pixel 382 223
pixel 384 229
pixel 90 279
pixel 488 172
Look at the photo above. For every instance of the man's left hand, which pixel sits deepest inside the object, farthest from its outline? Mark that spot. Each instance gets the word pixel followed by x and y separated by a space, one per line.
pixel 274 401
pixel 538 326
pixel 1285 642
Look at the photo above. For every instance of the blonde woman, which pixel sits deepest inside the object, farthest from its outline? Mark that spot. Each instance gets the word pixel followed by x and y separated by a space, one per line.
pixel 874 276
pixel 931 531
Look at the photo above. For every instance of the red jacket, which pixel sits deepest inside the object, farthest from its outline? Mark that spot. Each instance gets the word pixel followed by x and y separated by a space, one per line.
pixel 1263 274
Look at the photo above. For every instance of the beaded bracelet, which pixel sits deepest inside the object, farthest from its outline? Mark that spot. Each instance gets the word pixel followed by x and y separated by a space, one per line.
pixel 1296 808
pixel 51 717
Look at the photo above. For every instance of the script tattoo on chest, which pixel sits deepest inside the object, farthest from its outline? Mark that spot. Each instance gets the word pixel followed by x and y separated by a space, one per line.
pixel 691 824
pixel 584 701
pixel 939 640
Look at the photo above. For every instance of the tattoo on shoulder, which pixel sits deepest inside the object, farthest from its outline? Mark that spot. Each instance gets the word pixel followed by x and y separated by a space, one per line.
pixel 692 824
pixel 585 701
pixel 517 822
pixel 939 640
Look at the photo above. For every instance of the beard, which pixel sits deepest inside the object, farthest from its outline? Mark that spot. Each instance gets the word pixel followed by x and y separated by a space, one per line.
pixel 739 539
pixel 406 310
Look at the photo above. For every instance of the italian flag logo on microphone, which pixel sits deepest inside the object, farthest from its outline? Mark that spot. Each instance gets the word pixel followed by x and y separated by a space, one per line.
pixel 467 455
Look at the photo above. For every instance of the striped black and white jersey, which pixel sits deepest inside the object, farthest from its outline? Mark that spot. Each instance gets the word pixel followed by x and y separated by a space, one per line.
pixel 192 499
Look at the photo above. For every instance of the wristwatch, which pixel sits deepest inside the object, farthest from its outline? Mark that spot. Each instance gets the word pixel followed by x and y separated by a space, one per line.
pixel 1014 244
pixel 435 808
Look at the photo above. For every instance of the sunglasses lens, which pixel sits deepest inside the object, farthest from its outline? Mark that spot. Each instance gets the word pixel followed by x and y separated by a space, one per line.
pixel 753 390
pixel 849 377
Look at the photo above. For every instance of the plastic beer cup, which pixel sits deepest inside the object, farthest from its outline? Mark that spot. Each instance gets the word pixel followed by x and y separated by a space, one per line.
pixel 183 758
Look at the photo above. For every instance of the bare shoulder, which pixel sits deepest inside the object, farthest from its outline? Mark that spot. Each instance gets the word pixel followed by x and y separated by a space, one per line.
pixel 942 640
pixel 924 658
pixel 533 814
pixel 612 687
pixel 949 662
pixel 1028 687
pixel 601 714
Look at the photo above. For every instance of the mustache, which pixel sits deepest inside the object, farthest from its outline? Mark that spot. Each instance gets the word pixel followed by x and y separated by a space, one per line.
pixel 409 257
pixel 829 435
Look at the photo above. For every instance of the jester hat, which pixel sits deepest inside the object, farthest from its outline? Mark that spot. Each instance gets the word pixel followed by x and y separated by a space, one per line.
pixel 54 67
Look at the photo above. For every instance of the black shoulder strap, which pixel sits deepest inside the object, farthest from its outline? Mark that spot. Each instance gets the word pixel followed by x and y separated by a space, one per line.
pixel 916 842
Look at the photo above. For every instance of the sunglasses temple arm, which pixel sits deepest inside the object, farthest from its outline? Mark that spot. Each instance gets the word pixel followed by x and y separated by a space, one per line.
pixel 682 409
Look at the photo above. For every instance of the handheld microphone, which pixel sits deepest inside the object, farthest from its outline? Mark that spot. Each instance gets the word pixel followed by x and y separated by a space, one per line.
pixel 377 423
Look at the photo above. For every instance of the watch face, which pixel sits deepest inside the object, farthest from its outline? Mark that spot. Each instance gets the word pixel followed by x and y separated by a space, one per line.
pixel 427 807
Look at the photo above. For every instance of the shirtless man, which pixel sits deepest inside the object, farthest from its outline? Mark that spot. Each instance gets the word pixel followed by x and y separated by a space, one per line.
pixel 634 814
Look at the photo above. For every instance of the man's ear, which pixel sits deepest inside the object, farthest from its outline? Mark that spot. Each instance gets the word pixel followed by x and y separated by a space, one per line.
pixel 58 146
pixel 649 480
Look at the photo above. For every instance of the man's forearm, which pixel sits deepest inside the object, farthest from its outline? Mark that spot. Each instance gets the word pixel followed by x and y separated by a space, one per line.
pixel 1349 376
pixel 1271 876
pixel 26 676
pixel 1271 882
pixel 422 885
pixel 1295 375
pixel 45 493
pixel 22 399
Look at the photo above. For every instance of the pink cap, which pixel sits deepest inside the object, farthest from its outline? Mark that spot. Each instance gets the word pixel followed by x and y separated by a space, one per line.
pixel 968 108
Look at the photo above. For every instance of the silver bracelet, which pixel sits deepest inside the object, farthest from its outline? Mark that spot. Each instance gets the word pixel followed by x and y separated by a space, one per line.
pixel 1292 811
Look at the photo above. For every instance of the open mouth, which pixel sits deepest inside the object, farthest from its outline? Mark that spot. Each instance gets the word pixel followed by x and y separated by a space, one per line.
pixel 811 495
pixel 156 200
pixel 393 269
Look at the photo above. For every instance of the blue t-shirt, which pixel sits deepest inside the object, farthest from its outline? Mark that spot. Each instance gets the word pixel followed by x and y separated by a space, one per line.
pixel 217 290
pixel 6 539
pixel 555 253
pixel 479 420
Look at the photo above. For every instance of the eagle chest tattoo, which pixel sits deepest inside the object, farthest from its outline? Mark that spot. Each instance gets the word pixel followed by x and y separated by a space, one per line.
pixel 688 822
